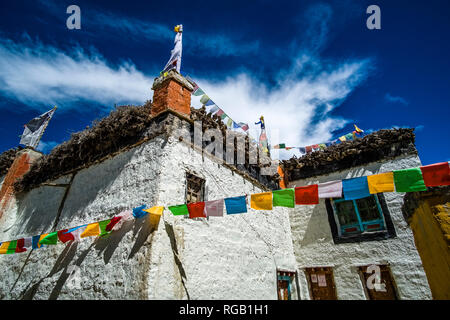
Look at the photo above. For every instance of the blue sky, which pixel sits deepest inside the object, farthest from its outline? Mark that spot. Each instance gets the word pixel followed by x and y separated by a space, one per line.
pixel 312 68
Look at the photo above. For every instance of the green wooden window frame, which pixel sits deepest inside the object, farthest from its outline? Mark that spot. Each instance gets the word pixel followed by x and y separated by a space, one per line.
pixel 359 225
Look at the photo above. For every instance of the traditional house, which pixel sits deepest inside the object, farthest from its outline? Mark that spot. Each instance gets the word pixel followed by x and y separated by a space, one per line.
pixel 137 156
pixel 337 243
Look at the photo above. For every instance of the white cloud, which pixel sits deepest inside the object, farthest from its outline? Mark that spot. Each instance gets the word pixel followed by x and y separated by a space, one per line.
pixel 46 146
pixel 42 76
pixel 394 99
pixel 297 109
pixel 296 112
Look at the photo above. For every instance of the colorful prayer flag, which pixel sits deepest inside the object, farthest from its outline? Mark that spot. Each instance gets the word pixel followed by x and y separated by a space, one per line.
pixel 302 150
pixel 284 198
pixel 244 126
pixel 51 238
pixel 214 208
pixel 198 92
pixel 103 224
pixel 139 212
pixel 307 194
pixel 64 236
pixel 342 139
pixel 35 242
pixel 236 205
pixel 383 182
pixel 355 188
pixel 209 103
pixel 92 229
pixel 4 247
pixel 20 247
pixel 112 223
pixel 214 109
pixel 261 201
pixel 358 129
pixel 409 180
pixel 437 174
pixel 330 189
pixel 196 210
pixel 179 210
pixel 204 99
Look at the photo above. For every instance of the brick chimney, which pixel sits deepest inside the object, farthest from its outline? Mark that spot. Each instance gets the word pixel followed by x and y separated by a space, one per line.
pixel 21 165
pixel 171 92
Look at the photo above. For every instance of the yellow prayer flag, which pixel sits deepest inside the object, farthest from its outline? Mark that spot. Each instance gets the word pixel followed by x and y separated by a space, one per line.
pixel 342 138
pixel 383 182
pixel 155 215
pixel 261 201
pixel 4 247
pixel 92 229
pixel 40 238
pixel 155 210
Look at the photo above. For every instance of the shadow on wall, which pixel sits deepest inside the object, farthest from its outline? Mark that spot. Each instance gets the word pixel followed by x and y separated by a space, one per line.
pixel 39 208
pixel 318 228
pixel 106 245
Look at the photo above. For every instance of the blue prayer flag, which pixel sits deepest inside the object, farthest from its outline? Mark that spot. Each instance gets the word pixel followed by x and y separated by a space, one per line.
pixel 355 188
pixel 236 205
pixel 35 242
pixel 139 212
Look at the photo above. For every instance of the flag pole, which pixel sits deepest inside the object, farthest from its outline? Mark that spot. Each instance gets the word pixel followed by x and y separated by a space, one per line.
pixel 43 130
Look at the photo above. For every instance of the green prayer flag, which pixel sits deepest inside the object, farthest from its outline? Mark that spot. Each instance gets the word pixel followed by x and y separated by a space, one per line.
pixel 51 238
pixel 204 99
pixel 409 180
pixel 103 225
pixel 198 92
pixel 282 145
pixel 179 210
pixel 284 198
pixel 223 116
pixel 12 247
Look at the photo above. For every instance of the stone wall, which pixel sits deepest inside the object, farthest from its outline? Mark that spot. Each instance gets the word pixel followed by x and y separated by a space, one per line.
pixel 234 257
pixel 314 245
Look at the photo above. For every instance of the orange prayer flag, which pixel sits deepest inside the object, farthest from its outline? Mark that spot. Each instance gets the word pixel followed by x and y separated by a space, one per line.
pixel 383 182
pixel 261 201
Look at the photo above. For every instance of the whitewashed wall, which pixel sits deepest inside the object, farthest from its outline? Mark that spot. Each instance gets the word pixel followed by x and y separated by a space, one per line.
pixel 314 246
pixel 234 257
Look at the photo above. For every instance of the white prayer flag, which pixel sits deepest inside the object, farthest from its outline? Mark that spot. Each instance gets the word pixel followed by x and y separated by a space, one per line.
pixel 35 128
pixel 175 55
pixel 331 189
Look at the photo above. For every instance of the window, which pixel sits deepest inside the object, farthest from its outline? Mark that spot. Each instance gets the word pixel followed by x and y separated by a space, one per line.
pixel 386 288
pixel 362 219
pixel 357 216
pixel 285 285
pixel 195 188
pixel 321 283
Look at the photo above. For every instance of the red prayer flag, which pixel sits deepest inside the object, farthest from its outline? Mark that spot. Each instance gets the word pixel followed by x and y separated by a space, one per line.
pixel 307 194
pixel 64 237
pixel 437 174
pixel 112 223
pixel 308 149
pixel 196 210
pixel 20 244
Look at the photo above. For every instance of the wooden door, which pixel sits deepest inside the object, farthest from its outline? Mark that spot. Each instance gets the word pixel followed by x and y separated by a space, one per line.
pixel 387 291
pixel 321 283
